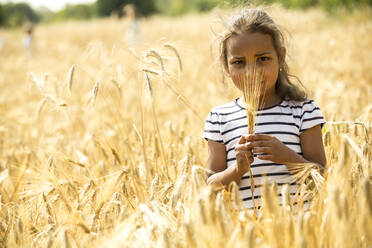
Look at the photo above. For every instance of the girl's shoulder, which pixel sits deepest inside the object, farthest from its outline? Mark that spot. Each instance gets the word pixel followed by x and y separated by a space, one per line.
pixel 226 108
pixel 306 112
pixel 308 103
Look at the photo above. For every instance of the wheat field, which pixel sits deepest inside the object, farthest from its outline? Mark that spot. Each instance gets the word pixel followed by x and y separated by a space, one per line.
pixel 101 144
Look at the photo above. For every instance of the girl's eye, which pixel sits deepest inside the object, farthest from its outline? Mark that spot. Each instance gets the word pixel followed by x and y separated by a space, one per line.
pixel 237 62
pixel 262 59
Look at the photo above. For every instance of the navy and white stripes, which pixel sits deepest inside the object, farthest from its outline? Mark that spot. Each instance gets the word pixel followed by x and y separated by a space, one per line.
pixel 286 121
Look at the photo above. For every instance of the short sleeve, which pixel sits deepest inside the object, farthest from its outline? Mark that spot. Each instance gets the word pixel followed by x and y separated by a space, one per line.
pixel 311 116
pixel 212 130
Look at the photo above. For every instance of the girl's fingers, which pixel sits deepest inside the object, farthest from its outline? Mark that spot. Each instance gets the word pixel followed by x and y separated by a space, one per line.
pixel 248 145
pixel 244 146
pixel 261 143
pixel 239 147
pixel 243 153
pixel 254 137
pixel 261 150
pixel 242 139
pixel 244 157
pixel 266 157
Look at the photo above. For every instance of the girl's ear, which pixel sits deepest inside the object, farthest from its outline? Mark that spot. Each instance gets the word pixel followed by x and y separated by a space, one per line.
pixel 282 53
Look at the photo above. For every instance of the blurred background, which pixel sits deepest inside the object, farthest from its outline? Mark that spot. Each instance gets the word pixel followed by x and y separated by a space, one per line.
pixel 16 13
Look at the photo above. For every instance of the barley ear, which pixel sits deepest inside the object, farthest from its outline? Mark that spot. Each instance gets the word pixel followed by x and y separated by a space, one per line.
pixel 70 77
pixel 174 50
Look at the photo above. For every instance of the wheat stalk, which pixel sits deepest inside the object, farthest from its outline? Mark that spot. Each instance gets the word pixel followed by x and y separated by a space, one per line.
pixel 253 88
pixel 306 175
pixel 95 92
pixel 153 53
pixel 155 119
pixel 70 77
pixel 174 50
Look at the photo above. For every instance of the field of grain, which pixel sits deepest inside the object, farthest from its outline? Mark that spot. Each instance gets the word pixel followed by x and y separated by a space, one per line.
pixel 101 144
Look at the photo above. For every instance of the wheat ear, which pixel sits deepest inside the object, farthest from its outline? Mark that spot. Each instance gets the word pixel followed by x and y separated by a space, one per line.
pixel 251 83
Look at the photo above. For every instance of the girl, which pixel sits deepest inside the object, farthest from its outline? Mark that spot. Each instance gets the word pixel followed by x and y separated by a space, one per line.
pixel 288 126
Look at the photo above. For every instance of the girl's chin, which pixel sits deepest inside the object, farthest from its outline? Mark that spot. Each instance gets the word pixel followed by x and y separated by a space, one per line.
pixel 261 95
pixel 240 86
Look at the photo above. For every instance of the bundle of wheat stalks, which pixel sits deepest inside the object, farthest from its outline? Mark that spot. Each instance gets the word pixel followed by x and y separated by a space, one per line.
pixel 91 158
pixel 253 87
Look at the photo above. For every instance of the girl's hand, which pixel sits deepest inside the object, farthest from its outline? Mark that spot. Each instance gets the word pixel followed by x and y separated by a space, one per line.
pixel 244 155
pixel 270 148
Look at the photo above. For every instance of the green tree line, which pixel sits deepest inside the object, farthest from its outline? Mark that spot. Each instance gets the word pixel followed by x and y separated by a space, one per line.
pixel 16 14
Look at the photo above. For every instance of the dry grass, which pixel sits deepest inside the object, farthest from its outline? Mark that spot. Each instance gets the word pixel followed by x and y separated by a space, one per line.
pixel 129 172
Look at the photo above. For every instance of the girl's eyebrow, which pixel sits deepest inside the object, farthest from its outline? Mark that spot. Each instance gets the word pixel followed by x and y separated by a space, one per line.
pixel 262 53
pixel 257 54
pixel 238 57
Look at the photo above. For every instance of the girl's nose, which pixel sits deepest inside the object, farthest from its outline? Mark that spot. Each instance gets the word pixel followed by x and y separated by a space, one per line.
pixel 252 67
pixel 252 71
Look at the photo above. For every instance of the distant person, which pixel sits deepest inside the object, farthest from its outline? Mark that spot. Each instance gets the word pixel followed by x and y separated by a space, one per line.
pixel 132 33
pixel 27 40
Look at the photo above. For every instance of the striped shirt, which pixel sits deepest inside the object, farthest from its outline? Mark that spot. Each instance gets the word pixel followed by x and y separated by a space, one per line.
pixel 285 121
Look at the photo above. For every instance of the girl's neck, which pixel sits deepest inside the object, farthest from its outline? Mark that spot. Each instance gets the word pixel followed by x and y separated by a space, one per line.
pixel 266 102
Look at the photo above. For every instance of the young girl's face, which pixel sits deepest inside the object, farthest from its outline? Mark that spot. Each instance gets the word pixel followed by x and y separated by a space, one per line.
pixel 246 50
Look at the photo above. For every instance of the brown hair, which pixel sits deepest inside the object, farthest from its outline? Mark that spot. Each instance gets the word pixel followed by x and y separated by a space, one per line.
pixel 257 20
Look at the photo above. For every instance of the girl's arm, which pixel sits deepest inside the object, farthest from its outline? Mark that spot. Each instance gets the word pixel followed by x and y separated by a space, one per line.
pixel 218 173
pixel 276 151
pixel 312 146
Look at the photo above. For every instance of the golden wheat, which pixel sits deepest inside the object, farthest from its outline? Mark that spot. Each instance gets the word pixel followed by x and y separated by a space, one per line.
pixel 83 176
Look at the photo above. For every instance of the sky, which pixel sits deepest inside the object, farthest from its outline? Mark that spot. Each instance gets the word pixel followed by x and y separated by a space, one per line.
pixel 53 5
